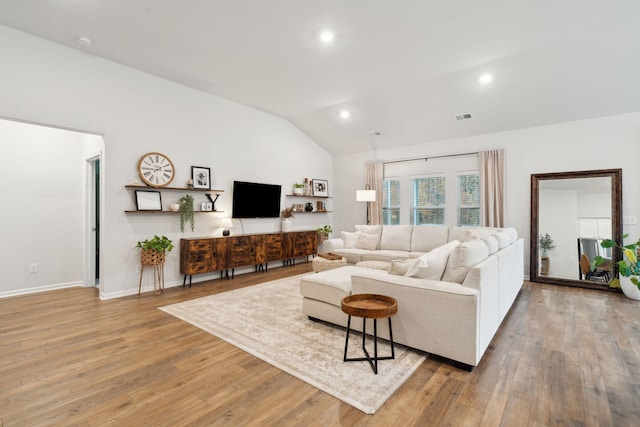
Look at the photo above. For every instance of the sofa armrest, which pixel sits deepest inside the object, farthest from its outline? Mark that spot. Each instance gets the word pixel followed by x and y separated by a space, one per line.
pixel 331 245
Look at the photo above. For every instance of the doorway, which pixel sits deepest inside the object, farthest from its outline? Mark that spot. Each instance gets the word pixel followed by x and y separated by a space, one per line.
pixel 94 202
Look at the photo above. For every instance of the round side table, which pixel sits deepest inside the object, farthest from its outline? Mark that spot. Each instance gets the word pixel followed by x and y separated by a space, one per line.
pixel 369 306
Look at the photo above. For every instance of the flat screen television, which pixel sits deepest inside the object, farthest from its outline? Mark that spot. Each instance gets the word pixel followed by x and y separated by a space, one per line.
pixel 254 200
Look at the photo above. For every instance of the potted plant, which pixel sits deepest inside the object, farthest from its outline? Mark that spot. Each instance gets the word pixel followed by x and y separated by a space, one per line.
pixel 287 213
pixel 154 250
pixel 323 233
pixel 298 189
pixel 546 243
pixel 628 267
pixel 186 212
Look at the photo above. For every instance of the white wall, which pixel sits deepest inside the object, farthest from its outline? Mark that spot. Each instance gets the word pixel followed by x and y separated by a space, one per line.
pixel 42 82
pixel 559 220
pixel 600 143
pixel 42 188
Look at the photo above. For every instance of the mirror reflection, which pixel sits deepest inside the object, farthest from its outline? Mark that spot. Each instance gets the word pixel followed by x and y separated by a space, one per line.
pixel 571 214
pixel 576 216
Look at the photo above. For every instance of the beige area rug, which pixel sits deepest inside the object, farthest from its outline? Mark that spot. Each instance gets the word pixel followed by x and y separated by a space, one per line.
pixel 266 320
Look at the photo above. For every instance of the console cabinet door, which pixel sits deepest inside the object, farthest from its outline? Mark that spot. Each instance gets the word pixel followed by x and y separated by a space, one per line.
pixel 260 250
pixel 273 247
pixel 241 251
pixel 220 253
pixel 196 256
pixel 306 243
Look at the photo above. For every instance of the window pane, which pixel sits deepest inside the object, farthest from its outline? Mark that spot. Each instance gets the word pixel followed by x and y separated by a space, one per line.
pixel 428 200
pixel 469 200
pixel 391 202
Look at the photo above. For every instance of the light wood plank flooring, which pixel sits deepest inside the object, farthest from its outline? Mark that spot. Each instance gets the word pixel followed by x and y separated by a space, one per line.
pixel 563 356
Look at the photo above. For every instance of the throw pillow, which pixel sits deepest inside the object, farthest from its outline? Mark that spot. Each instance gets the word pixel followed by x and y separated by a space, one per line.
pixel 367 241
pixel 432 264
pixel 462 258
pixel 370 229
pixel 492 244
pixel 350 239
pixel 400 267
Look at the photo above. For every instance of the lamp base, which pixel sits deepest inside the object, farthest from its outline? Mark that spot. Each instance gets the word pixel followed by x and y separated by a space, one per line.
pixel 226 232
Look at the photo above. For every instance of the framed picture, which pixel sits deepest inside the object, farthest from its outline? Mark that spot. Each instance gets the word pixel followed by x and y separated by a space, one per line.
pixel 148 200
pixel 206 207
pixel 320 188
pixel 201 177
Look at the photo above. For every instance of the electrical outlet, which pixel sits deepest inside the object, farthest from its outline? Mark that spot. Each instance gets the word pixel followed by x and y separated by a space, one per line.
pixel 33 268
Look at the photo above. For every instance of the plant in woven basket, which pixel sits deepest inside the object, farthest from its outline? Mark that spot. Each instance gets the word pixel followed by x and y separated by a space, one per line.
pixel 158 244
pixel 325 230
pixel 186 212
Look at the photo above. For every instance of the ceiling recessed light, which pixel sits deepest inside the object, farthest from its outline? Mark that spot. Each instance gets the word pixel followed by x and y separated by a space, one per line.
pixel 85 41
pixel 485 78
pixel 345 114
pixel 327 36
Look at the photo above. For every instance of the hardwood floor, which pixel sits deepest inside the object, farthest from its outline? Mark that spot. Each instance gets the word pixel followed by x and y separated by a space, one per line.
pixel 563 356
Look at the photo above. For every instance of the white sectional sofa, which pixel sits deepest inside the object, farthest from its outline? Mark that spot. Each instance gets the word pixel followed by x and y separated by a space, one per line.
pixel 454 286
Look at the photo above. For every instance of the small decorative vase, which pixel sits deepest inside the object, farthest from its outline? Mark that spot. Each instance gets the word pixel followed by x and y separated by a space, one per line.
pixel 298 191
pixel 629 289
pixel 286 224
pixel 308 207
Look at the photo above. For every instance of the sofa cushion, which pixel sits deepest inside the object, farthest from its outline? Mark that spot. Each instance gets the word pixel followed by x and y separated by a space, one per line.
pixel 350 239
pixel 425 238
pixel 375 265
pixel 396 237
pixel 432 265
pixel 353 255
pixel 384 255
pixel 492 243
pixel 329 286
pixel 370 229
pixel 367 241
pixel 464 256
pixel 401 266
pixel 506 237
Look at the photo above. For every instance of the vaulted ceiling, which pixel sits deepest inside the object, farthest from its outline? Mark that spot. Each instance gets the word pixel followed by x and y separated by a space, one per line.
pixel 403 68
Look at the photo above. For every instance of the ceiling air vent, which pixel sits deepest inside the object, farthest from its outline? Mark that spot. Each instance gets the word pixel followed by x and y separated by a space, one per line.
pixel 464 116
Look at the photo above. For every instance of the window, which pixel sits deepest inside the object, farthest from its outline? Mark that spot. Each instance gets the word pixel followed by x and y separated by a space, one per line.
pixel 469 199
pixel 428 200
pixel 391 202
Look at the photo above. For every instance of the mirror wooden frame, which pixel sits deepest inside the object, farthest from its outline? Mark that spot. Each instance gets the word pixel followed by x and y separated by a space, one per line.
pixel 616 222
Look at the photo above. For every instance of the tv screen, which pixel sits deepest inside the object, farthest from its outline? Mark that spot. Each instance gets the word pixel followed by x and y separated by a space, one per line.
pixel 254 200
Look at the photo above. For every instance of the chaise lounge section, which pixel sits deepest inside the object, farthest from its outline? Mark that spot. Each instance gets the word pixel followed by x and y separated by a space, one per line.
pixel 453 291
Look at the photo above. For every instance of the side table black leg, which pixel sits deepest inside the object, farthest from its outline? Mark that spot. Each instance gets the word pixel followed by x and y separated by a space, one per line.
pixel 346 341
pixel 375 345
pixel 393 354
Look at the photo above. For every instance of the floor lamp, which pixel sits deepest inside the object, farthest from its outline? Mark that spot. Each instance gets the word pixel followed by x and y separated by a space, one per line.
pixel 367 196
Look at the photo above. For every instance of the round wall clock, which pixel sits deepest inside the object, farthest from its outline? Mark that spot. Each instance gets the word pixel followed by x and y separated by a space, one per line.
pixel 156 169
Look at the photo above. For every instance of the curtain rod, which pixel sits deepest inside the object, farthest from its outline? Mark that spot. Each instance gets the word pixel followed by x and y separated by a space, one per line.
pixel 429 157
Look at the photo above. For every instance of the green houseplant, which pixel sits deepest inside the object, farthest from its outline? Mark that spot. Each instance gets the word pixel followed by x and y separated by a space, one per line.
pixel 157 243
pixel 546 243
pixel 186 212
pixel 628 267
pixel 298 188
pixel 325 230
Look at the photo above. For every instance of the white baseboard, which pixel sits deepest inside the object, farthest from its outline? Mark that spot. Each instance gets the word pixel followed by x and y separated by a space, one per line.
pixel 18 292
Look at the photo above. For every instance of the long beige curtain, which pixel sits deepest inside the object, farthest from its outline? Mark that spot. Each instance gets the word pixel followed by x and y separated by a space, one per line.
pixel 492 188
pixel 374 173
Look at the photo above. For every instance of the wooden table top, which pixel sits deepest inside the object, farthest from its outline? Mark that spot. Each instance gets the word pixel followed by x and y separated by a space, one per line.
pixel 370 306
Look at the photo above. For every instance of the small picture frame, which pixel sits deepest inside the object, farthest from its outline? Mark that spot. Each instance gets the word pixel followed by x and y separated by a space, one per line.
pixel 148 200
pixel 206 207
pixel 320 188
pixel 201 177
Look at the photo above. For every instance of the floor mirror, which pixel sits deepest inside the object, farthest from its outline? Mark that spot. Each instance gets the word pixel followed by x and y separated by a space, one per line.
pixel 571 213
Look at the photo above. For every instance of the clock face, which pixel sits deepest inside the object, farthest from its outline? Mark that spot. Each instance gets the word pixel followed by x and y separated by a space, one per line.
pixel 156 169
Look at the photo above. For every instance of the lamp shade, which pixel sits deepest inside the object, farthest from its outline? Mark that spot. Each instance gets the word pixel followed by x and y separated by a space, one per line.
pixel 226 223
pixel 365 195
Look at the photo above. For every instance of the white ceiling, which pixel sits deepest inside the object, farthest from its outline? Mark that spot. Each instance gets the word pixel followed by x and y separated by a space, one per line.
pixel 402 67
